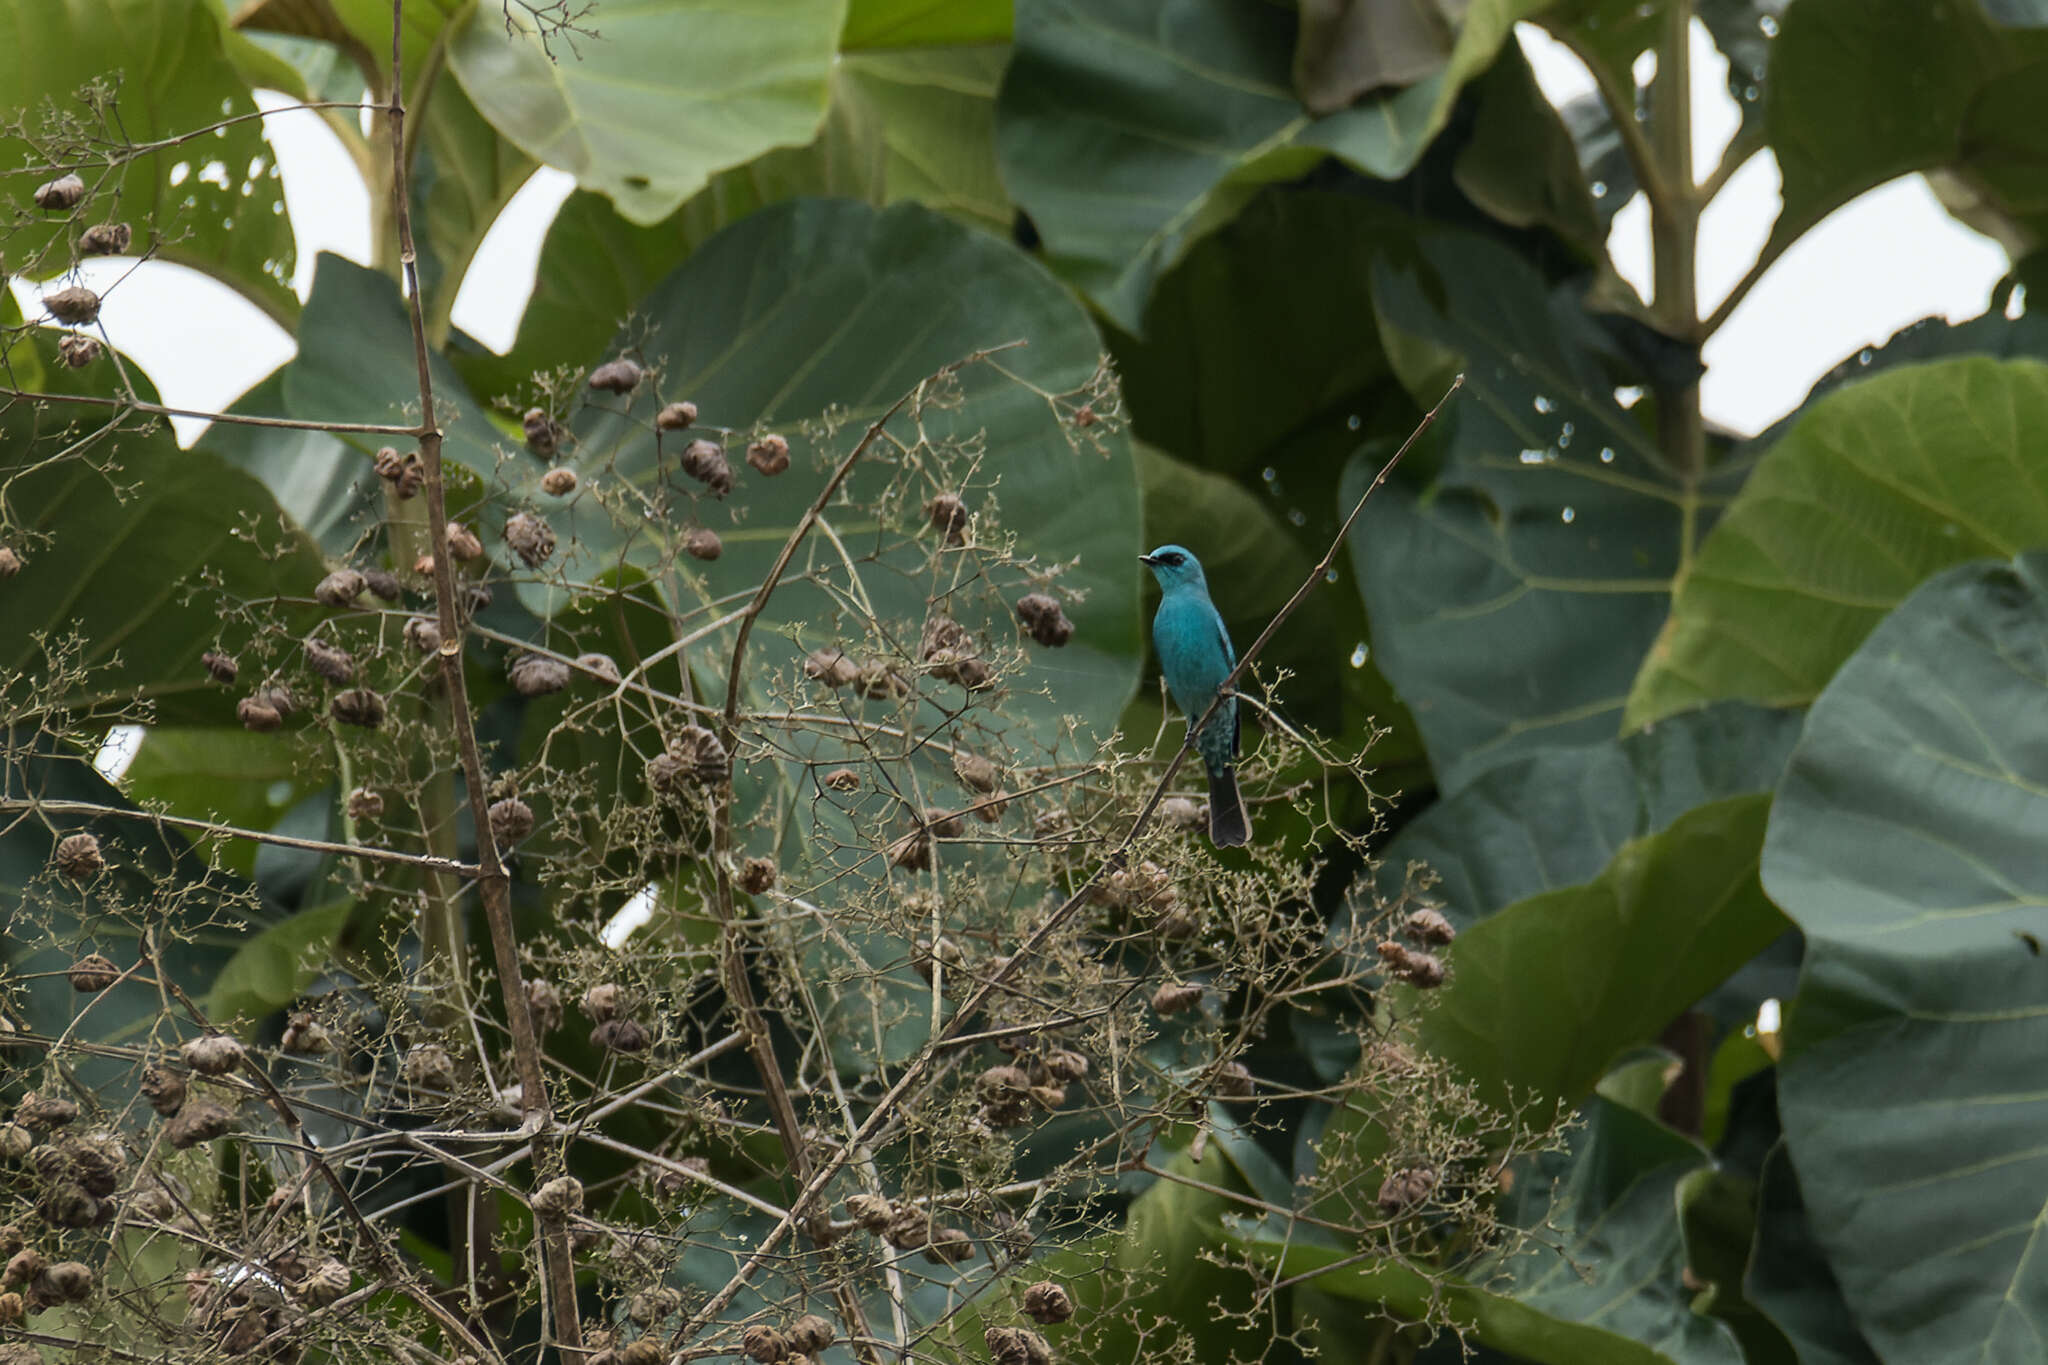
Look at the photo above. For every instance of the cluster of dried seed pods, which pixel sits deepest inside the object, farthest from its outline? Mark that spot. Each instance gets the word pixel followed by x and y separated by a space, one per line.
pixel 1047 621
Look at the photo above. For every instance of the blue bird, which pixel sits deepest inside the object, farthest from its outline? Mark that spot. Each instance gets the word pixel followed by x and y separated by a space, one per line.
pixel 1195 654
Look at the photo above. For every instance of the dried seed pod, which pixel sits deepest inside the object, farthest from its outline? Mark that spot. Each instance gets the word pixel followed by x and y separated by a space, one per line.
pixel 944 824
pixel 92 974
pixel 60 195
pixel 675 417
pixel 912 852
pixel 1182 813
pixel 558 482
pixel 463 544
pixel 358 706
pixel 599 666
pixel 340 588
pixel 511 820
pixel 620 1035
pixel 78 350
pixel 962 666
pixel 1043 616
pixel 306 1036
pixel 1064 1064
pixel 165 1090
pixel 406 473
pixel 831 667
pixel 704 752
pixel 364 804
pixel 325 1283
pixel 12 1310
pixel 254 715
pixel 105 239
pixel 429 1067
pixel 810 1334
pixel 1174 997
pixel 545 1003
pixel 877 680
pixel 65 1282
pixel 1405 1189
pixel 11 1239
pixel 543 433
pixel 536 675
pixel 530 538
pixel 705 462
pixel 843 780
pixel 44 1113
pixel 559 1198
pixel 933 954
pixel 909 1229
pixel 949 1246
pixel 1429 926
pixel 871 1211
pixel 666 773
pixel 329 661
pixel 423 633
pixel 764 1344
pixel 949 514
pixel 15 1141
pixel 1017 1346
pixel 384 585
pixel 78 857
pixel 1233 1081
pixel 76 305
pixel 641 1351
pixel 24 1266
pixel 1422 970
pixel 769 456
pixel 220 667
pixel 212 1054
pixel 603 1001
pixel 199 1121
pixel 703 543
pixel 98 1162
pixel 757 876
pixel 1048 1097
pixel 991 810
pixel 1004 1082
pixel 1047 1302
pixel 650 1306
pixel 10 562
pixel 616 376
pixel 975 772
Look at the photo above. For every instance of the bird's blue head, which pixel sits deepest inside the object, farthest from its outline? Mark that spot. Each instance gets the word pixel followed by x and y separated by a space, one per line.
pixel 1174 567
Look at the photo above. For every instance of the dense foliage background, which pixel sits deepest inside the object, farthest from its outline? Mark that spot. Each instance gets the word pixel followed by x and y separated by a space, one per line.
pixel 1666 723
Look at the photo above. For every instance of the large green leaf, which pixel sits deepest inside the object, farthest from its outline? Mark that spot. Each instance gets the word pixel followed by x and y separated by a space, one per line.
pixel 319 480
pixel 1546 993
pixel 663 96
pixel 1521 165
pixel 1556 818
pixel 923 23
pixel 1789 1278
pixel 228 775
pixel 268 972
pixel 1598 1283
pixel 1512 601
pixel 1877 486
pixel 1127 129
pixel 933 110
pixel 1906 842
pixel 214 202
pixel 136 556
pixel 1858 94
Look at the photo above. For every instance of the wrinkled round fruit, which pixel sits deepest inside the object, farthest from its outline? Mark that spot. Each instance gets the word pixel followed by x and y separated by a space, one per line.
pixel 105 239
pixel 329 661
pixel 703 543
pixel 340 588
pixel 511 820
pixel 10 562
pixel 220 667
pixel 616 376
pixel 769 455
pixel 675 417
pixel 385 585
pixel 600 666
pixel 620 1035
pixel 757 875
pixel 559 482
pixel 78 857
pixel 536 675
pixel 55 196
pixel 358 706
pixel 212 1054
pixel 831 667
pixel 543 433
pixel 423 633
pixel 364 804
pixel 559 1198
pixel 463 545
pixel 75 305
pixel 949 514
pixel 705 462
pixel 1047 1302
pixel 1044 618
pixel 92 974
pixel 257 716
pixel 78 350
pixel 200 1121
pixel 530 538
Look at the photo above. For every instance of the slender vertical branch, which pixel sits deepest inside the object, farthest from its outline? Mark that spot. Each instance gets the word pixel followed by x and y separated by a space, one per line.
pixel 493 883
pixel 1674 236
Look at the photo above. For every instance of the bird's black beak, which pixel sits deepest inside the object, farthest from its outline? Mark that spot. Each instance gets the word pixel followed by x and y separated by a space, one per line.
pixel 1148 560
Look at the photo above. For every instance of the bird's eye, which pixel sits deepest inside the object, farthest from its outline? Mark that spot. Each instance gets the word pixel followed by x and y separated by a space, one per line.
pixel 1175 560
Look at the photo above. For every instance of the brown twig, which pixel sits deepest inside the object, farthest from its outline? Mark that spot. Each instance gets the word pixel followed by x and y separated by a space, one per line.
pixel 260 836
pixel 493 882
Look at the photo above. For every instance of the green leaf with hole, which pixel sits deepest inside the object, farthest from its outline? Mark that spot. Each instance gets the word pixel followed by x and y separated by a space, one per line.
pixel 1906 843
pixel 658 96
pixel 1876 487
pixel 1128 129
pixel 212 201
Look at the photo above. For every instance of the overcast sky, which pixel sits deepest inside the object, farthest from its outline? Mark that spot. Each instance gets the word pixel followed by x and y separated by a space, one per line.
pixel 1843 286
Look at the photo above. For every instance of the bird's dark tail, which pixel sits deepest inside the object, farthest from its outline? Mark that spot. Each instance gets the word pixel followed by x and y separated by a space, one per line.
pixel 1228 827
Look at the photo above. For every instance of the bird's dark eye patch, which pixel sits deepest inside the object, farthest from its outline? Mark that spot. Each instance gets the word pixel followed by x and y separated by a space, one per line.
pixel 1176 560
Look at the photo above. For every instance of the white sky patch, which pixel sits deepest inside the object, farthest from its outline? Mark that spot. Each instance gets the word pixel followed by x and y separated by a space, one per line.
pixel 117 751
pixel 633 915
